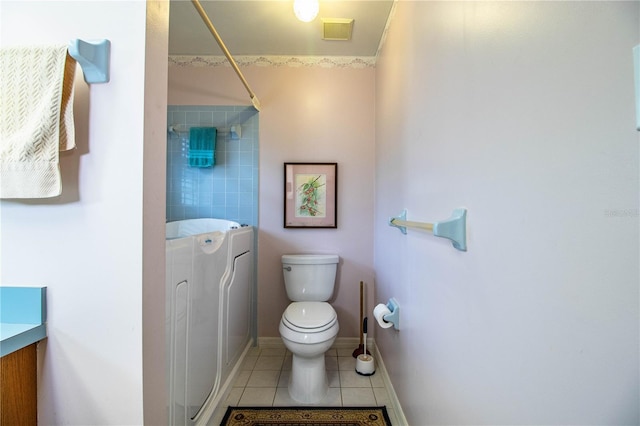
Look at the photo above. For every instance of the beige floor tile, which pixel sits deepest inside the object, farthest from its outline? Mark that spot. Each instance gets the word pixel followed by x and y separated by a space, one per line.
pixel 351 379
pixel 273 352
pixel 331 362
pixel 282 398
pixel 269 363
pixel 234 396
pixel 242 378
pixel 346 351
pixel 382 396
pixel 334 378
pixel 346 363
pixel 332 399
pixel 283 381
pixel 377 381
pixel 258 397
pixel 249 363
pixel 358 397
pixel 255 351
pixel 331 352
pixel 263 379
pixel 287 362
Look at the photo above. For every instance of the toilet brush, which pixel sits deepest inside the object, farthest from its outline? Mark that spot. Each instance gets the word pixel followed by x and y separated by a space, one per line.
pixel 364 334
pixel 365 365
pixel 360 349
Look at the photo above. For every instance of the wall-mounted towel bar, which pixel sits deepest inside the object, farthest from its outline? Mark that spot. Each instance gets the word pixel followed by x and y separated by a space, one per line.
pixel 235 131
pixel 454 228
pixel 93 57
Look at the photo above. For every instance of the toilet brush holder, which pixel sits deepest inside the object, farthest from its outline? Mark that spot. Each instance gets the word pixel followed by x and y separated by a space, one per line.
pixel 365 365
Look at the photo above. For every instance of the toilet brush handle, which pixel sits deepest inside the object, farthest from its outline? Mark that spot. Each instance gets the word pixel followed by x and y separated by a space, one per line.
pixel 364 333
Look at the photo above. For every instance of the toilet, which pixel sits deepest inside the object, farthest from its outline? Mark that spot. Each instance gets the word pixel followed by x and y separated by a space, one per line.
pixel 309 325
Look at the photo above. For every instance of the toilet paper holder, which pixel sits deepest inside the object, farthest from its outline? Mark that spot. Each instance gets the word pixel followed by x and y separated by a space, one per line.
pixel 394 316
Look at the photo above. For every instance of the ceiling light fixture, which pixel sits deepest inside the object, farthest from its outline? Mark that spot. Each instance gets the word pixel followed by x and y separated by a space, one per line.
pixel 306 10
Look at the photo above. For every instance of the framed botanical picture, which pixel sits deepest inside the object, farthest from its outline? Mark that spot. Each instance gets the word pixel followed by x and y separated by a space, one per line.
pixel 310 195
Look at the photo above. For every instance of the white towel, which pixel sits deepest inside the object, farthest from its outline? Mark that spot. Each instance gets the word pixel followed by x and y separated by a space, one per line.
pixel 36 119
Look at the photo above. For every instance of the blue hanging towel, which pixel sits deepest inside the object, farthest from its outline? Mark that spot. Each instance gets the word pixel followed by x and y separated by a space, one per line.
pixel 202 146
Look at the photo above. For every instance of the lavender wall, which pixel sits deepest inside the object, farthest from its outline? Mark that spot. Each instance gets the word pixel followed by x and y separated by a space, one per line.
pixel 522 112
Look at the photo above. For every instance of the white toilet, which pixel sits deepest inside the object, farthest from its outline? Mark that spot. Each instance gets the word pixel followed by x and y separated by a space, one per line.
pixel 309 325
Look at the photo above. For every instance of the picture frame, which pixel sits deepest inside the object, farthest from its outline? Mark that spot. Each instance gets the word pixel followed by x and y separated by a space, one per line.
pixel 310 195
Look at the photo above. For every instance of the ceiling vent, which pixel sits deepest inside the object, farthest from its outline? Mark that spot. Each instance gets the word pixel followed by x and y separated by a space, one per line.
pixel 336 28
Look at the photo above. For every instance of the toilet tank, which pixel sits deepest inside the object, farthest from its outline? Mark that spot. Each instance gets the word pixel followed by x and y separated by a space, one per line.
pixel 309 277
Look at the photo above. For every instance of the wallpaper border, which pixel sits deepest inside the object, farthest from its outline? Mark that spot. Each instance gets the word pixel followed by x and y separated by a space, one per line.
pixel 275 61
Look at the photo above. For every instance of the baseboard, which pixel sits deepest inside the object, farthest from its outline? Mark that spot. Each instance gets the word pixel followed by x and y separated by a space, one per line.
pixel 395 402
pixel 352 343
pixel 270 342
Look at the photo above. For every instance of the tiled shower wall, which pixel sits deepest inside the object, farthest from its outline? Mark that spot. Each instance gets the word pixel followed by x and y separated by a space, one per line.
pixel 229 189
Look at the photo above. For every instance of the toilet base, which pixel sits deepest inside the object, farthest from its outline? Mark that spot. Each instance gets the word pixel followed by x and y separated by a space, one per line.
pixel 308 382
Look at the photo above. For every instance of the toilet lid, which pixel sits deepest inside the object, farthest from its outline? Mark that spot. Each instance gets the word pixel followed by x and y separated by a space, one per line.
pixel 309 315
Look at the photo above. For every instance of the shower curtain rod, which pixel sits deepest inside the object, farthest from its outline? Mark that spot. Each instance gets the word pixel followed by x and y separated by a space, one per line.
pixel 212 29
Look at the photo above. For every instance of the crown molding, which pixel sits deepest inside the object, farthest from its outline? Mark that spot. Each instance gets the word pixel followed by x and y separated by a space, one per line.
pixel 276 61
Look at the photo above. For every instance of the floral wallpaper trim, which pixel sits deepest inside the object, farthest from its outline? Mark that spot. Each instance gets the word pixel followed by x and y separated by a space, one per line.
pixel 276 61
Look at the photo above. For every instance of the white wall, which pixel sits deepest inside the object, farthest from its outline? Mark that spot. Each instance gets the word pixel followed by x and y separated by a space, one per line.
pixel 87 245
pixel 522 112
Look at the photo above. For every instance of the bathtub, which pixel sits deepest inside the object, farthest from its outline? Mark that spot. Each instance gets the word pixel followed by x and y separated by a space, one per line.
pixel 192 227
pixel 209 277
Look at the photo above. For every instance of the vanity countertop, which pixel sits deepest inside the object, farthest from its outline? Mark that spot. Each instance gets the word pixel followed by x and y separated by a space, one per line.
pixel 23 317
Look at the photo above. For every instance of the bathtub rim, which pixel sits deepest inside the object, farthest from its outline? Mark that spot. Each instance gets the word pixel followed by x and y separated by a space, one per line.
pixel 198 226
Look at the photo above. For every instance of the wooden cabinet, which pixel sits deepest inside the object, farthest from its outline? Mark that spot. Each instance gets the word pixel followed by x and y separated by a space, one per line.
pixel 18 387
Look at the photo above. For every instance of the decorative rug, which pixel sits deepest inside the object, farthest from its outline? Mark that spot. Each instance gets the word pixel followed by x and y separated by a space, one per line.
pixel 306 416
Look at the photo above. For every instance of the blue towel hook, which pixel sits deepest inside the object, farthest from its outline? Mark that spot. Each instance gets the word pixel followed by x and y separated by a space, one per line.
pixel 93 57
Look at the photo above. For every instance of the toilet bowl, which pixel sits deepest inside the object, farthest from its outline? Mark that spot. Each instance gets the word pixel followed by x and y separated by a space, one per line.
pixel 308 330
pixel 309 325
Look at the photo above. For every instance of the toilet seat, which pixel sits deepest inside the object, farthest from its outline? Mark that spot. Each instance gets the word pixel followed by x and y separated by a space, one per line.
pixel 309 317
pixel 308 337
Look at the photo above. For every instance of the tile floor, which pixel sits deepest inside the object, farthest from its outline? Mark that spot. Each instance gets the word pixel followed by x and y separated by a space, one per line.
pixel 265 374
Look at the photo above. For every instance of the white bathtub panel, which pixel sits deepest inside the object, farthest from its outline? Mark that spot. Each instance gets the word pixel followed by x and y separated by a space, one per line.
pixel 238 310
pixel 179 374
pixel 178 276
pixel 209 284
pixel 241 242
pixel 208 269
